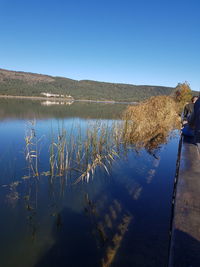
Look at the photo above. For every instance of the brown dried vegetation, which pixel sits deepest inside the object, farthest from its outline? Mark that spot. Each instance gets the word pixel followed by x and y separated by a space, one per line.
pixel 150 122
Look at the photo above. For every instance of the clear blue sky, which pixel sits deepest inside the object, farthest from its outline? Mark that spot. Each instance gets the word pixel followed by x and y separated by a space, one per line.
pixel 153 42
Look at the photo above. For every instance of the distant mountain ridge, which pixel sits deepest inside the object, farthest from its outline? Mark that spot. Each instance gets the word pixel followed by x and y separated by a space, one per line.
pixel 33 84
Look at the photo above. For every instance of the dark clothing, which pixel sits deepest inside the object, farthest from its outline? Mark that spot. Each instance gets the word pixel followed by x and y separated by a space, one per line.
pixel 188 109
pixel 195 120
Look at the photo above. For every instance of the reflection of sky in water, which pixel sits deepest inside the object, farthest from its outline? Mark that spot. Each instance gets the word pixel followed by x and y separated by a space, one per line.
pixel 122 217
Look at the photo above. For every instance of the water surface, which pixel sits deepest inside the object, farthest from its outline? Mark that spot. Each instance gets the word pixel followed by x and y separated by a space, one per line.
pixel 116 219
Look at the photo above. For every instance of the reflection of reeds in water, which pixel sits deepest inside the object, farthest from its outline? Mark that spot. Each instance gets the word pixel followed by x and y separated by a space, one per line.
pixel 113 248
pixel 110 224
pixel 13 195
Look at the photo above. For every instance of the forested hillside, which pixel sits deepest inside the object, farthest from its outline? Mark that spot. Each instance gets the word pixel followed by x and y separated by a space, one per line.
pixel 30 84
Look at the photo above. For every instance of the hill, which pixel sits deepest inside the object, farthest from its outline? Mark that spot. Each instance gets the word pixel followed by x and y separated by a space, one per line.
pixel 31 84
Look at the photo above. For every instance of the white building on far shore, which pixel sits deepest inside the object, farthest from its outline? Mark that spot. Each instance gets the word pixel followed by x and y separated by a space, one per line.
pixel 56 95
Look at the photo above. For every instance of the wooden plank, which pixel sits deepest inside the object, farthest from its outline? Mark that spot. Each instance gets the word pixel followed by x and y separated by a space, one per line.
pixel 185 241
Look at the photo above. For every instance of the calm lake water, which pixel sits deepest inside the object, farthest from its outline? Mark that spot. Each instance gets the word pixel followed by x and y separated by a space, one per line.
pixel 115 218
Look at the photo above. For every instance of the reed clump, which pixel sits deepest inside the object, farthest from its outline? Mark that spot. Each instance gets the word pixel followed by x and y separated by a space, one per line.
pixel 80 153
pixel 31 150
pixel 150 122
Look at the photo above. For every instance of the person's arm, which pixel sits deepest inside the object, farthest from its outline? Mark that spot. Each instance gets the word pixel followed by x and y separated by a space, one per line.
pixel 193 116
pixel 191 120
pixel 185 113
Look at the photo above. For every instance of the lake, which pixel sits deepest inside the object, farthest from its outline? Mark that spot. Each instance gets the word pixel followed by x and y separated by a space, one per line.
pixel 72 195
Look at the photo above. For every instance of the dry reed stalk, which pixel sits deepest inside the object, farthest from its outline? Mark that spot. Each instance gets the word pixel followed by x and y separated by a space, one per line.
pixel 82 152
pixel 150 120
pixel 31 150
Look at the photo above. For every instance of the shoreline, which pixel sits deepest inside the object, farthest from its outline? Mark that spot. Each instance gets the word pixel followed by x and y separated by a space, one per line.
pixel 66 99
pixel 36 97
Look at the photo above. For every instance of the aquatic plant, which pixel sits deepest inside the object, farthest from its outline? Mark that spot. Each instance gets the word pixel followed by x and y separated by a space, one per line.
pixel 149 123
pixel 82 152
pixel 31 149
pixel 79 152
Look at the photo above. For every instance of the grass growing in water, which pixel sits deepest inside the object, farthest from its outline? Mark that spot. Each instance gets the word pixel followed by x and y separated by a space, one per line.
pixel 77 153
pixel 149 123
pixel 31 149
pixel 82 152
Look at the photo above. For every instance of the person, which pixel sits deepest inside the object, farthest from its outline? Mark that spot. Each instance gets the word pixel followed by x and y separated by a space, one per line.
pixel 187 130
pixel 194 122
pixel 188 109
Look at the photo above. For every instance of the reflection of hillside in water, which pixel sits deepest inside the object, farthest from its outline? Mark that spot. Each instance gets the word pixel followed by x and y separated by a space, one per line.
pixel 29 109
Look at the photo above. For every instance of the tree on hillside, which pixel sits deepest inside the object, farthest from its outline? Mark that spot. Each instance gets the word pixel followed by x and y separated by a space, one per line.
pixel 183 93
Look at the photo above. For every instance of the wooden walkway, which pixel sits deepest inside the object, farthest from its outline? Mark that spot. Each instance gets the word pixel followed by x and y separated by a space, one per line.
pixel 185 239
